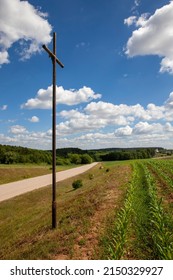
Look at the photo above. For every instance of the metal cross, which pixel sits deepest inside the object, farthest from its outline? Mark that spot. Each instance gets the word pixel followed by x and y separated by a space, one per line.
pixel 55 60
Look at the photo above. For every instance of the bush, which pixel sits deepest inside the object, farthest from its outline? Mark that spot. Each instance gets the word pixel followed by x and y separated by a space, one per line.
pixel 75 158
pixel 91 176
pixel 62 161
pixel 85 159
pixel 77 184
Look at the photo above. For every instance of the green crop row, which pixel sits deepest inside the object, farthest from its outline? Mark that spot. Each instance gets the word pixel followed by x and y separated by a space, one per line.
pixel 142 220
pixel 164 170
pixel 119 234
pixel 161 234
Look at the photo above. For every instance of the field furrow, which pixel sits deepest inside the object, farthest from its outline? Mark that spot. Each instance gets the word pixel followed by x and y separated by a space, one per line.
pixel 143 229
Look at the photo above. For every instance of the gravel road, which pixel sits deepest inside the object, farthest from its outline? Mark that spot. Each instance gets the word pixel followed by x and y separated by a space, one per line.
pixel 20 187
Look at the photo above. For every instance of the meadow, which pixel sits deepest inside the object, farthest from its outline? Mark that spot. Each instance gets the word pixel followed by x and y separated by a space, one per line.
pixel 15 172
pixel 122 211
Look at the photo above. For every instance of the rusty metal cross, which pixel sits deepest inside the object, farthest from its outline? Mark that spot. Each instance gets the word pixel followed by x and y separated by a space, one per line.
pixel 55 60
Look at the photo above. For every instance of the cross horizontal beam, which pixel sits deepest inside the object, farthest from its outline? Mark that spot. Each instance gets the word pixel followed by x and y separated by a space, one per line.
pixel 53 56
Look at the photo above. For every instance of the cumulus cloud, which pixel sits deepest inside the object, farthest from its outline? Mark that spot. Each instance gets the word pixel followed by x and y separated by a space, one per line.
pixel 105 109
pixel 97 115
pixel 154 36
pixel 91 119
pixel 138 21
pixel 102 124
pixel 34 119
pixel 169 101
pixel 168 127
pixel 21 22
pixel 123 131
pixel 4 57
pixel 146 128
pixel 130 20
pixel 43 99
pixel 4 139
pixel 18 129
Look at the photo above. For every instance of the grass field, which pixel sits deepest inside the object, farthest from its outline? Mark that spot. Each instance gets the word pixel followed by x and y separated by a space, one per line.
pixel 11 173
pixel 123 211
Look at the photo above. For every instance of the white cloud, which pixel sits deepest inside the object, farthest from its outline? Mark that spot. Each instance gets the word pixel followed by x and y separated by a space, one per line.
pixel 130 20
pixel 18 129
pixel 43 99
pixel 123 131
pixel 19 135
pixel 169 101
pixel 101 114
pixel 3 108
pixel 97 115
pixel 154 112
pixel 21 22
pixel 154 37
pixel 141 21
pixel 34 119
pixel 102 124
pixel 94 117
pixel 86 123
pixel 4 57
pixel 168 127
pixel 168 106
pixel 135 6
pixel 146 128
pixel 4 139
pixel 109 110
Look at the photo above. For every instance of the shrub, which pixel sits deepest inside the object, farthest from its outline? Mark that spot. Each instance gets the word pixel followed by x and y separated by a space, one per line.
pixel 86 159
pixel 91 176
pixel 77 184
pixel 75 158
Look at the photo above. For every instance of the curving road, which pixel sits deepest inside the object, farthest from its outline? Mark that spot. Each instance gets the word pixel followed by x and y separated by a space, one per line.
pixel 20 187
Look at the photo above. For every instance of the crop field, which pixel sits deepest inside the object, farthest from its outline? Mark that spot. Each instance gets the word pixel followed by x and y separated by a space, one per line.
pixel 144 226
pixel 124 210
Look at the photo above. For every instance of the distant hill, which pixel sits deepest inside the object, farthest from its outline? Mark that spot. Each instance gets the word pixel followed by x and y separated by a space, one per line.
pixel 16 154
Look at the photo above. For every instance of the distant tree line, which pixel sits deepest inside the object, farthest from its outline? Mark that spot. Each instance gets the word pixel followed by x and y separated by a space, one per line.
pixel 15 154
pixel 129 154
pixel 64 152
pixel 80 159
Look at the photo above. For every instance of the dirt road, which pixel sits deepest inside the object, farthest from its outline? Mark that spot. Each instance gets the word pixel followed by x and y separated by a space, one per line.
pixel 20 187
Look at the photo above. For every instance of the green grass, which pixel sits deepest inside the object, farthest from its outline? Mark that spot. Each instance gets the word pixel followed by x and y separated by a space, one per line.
pixel 16 172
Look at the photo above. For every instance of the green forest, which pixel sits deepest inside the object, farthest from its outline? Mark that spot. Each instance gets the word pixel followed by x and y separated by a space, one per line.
pixel 65 156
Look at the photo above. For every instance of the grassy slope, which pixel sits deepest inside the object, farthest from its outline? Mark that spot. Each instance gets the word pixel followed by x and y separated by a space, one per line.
pixel 11 173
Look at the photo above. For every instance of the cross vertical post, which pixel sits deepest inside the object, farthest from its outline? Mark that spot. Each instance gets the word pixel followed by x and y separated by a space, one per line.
pixel 54 61
pixel 54 136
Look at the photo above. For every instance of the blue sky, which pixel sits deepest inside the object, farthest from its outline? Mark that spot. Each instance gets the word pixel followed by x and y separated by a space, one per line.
pixel 116 87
